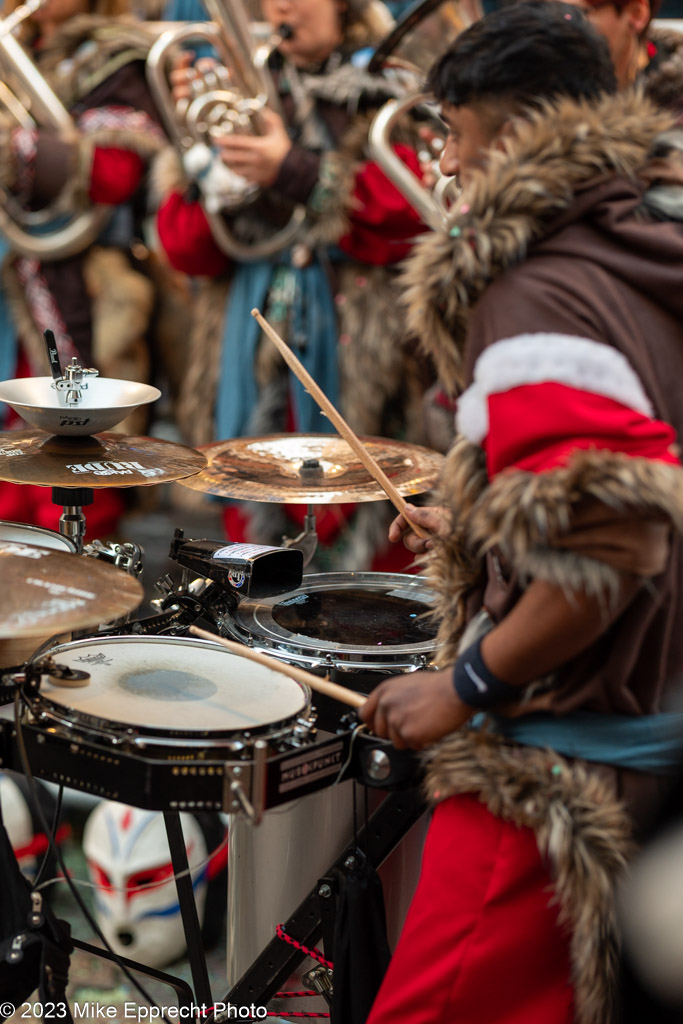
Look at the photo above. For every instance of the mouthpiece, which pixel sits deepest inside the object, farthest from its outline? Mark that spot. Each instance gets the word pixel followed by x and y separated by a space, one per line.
pixel 285 31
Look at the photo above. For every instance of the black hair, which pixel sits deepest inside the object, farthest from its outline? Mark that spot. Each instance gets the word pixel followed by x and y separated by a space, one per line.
pixel 525 53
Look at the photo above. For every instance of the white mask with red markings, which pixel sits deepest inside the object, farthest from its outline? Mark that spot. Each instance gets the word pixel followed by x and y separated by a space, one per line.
pixel 136 898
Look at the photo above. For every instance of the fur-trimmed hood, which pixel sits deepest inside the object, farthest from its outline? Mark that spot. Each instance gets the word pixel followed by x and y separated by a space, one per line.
pixel 543 172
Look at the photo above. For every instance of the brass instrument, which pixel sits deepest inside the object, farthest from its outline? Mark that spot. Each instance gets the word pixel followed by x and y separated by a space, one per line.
pixel 26 100
pixel 432 204
pixel 239 90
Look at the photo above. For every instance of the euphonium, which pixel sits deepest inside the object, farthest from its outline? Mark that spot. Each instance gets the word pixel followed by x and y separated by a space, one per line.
pixel 27 100
pixel 431 204
pixel 242 87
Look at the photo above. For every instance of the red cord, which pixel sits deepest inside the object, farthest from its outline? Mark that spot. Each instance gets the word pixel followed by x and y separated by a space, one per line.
pixel 279 1013
pixel 314 953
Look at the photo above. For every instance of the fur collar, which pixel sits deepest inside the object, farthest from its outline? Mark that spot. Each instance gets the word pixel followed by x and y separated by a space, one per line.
pixel 352 87
pixel 663 78
pixel 88 49
pixel 558 150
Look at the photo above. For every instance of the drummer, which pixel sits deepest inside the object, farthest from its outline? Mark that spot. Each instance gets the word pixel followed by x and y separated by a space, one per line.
pixel 332 294
pixel 559 583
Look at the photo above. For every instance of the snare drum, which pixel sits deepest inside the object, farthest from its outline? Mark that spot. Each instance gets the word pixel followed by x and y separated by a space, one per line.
pixel 348 621
pixel 170 698
pixel 14 652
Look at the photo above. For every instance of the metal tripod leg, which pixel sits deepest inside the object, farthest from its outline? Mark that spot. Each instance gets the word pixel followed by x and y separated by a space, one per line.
pixel 188 908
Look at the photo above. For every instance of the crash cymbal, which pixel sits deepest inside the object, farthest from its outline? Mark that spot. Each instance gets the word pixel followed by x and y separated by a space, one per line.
pixel 45 591
pixel 311 469
pixel 104 460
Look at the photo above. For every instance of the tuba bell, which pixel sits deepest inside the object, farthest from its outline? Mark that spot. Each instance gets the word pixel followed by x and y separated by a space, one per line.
pixel 238 91
pixel 27 101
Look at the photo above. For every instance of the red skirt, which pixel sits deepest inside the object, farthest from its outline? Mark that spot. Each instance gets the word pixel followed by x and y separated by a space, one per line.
pixel 481 943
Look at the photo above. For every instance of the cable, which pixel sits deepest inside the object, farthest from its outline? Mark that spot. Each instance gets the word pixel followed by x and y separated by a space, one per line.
pixel 361 727
pixel 141 888
pixel 55 824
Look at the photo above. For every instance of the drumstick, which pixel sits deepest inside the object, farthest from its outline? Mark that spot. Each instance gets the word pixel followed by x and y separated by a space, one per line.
pixel 340 693
pixel 372 466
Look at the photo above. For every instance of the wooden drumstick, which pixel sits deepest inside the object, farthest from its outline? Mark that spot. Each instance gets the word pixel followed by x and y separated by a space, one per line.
pixel 335 417
pixel 340 693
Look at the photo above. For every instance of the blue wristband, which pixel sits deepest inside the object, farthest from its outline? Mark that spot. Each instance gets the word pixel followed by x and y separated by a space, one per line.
pixel 476 685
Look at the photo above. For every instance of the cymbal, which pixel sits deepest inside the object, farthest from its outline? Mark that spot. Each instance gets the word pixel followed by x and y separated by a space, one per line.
pixel 46 591
pixel 104 402
pixel 311 469
pixel 103 460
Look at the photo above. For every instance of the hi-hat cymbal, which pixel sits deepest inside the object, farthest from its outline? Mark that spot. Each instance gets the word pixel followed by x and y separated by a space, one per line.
pixel 311 469
pixel 45 591
pixel 104 460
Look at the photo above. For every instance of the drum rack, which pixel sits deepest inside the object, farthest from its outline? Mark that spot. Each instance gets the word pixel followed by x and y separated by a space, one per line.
pixel 313 919
pixel 197 784
pixel 174 785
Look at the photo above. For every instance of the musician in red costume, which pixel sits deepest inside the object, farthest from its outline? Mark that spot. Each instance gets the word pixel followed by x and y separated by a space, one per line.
pixel 552 303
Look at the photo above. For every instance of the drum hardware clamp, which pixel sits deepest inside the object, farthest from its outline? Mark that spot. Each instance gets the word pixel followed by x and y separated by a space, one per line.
pixel 254 776
pixel 127 556
pixel 319 979
pixel 29 679
pixel 73 379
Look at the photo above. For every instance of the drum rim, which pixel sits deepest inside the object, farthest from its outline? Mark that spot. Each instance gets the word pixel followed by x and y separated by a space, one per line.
pixel 76 720
pixel 313 650
pixel 68 542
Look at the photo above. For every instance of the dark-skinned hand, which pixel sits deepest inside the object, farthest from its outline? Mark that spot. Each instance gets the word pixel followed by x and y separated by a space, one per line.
pixel 415 710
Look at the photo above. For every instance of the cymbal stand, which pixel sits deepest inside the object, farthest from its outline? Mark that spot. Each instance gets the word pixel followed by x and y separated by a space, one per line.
pixel 72 521
pixel 307 540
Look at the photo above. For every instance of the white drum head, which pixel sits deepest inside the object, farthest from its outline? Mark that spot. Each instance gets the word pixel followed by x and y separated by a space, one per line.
pixel 22 533
pixel 167 686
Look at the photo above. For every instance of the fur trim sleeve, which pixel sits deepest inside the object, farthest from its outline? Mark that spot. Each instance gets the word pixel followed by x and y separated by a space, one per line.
pixel 527 516
pixel 140 136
